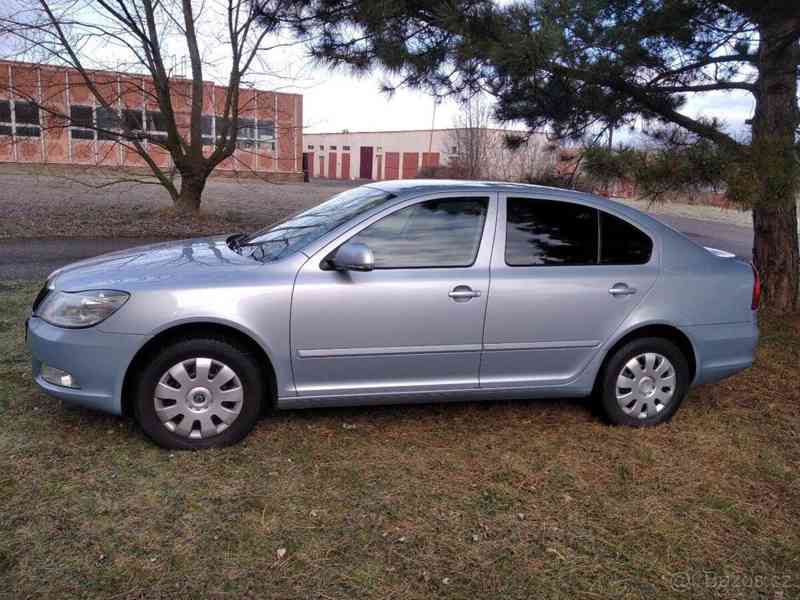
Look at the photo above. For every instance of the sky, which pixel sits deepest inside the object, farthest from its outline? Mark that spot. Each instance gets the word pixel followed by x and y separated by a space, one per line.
pixel 336 100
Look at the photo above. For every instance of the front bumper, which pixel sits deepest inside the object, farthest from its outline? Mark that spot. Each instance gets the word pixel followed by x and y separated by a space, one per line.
pixel 98 361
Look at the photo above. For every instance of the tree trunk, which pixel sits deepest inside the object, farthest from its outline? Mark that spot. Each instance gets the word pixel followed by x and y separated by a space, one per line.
pixel 775 253
pixel 775 161
pixel 192 186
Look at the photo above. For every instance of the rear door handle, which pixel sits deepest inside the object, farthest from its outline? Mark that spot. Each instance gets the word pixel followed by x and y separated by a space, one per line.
pixel 621 289
pixel 462 293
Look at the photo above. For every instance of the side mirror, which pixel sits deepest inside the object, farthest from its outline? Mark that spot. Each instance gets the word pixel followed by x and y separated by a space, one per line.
pixel 353 256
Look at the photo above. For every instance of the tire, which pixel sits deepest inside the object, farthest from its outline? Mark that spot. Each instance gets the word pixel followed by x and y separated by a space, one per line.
pixel 650 390
pixel 199 393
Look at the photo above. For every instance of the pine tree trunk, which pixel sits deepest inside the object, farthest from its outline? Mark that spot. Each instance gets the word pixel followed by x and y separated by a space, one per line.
pixel 775 253
pixel 775 244
pixel 192 186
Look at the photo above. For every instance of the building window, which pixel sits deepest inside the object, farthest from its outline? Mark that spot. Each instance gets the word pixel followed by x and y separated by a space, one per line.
pixel 380 149
pixel 5 117
pixel 331 147
pixel 247 133
pixel 156 126
pixel 133 120
pixel 107 121
pixel 220 127
pixel 207 130
pixel 266 135
pixel 81 122
pixel 27 119
pixel 311 146
pixel 321 147
pixel 25 122
pixel 346 148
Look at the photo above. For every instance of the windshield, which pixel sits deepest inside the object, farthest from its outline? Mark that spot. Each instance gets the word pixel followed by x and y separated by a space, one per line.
pixel 299 231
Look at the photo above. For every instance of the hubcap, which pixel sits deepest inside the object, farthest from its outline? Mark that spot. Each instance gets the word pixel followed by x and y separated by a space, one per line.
pixel 198 398
pixel 645 385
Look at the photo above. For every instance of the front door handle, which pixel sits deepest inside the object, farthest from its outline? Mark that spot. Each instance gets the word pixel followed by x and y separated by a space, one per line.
pixel 621 289
pixel 462 293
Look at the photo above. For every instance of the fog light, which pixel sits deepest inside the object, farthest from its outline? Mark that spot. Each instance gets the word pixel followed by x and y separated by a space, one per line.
pixel 58 377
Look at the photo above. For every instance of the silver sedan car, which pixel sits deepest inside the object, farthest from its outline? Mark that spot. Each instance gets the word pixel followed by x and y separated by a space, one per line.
pixel 403 291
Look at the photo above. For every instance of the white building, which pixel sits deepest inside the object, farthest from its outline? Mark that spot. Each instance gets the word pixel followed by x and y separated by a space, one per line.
pixel 397 154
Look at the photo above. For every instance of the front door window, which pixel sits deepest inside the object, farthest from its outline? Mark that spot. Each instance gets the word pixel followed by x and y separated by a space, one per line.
pixel 436 233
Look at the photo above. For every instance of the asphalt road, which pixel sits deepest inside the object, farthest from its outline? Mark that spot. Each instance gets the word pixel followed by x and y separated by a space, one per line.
pixel 34 259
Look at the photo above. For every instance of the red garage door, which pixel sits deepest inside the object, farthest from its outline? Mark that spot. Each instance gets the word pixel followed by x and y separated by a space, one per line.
pixel 410 164
pixel 346 165
pixel 321 165
pixel 332 165
pixel 392 165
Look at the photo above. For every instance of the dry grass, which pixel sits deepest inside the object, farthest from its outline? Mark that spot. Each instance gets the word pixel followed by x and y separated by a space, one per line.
pixel 501 500
pixel 41 202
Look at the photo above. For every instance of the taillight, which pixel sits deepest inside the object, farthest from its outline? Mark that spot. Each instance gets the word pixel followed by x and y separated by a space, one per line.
pixel 756 289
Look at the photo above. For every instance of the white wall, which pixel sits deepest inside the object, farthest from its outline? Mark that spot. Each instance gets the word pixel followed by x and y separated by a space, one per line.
pixel 500 163
pixel 381 142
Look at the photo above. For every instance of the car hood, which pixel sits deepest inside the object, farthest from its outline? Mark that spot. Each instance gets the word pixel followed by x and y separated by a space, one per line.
pixel 149 265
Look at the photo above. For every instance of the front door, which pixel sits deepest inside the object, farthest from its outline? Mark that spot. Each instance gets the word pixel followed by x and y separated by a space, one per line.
pixel 415 322
pixel 564 277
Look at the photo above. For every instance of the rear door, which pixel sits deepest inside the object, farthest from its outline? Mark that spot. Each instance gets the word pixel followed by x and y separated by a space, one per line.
pixel 564 277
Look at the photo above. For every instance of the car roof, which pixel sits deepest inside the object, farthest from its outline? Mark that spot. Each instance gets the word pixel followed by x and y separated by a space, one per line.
pixel 405 187
pixel 432 185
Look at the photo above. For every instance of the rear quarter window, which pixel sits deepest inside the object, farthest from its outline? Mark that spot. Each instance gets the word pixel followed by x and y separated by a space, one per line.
pixel 621 243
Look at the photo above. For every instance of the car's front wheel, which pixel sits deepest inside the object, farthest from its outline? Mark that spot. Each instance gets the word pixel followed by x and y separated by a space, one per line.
pixel 644 382
pixel 199 393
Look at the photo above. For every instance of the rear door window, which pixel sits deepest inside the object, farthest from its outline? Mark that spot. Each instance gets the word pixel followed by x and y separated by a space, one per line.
pixel 550 233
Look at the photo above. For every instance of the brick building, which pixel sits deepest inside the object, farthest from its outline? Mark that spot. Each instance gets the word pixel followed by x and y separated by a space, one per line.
pixel 49 115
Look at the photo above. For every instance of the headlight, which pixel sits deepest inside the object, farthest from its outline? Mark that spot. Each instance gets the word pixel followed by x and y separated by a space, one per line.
pixel 80 309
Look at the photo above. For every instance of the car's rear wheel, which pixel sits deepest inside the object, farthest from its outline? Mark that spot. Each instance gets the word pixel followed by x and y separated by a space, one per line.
pixel 644 382
pixel 199 393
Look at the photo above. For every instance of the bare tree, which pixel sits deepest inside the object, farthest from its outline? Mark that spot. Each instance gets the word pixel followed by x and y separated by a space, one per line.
pixel 469 138
pixel 142 38
pixel 479 151
pixel 513 156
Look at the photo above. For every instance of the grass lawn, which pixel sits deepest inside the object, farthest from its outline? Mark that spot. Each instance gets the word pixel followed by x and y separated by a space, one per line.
pixel 506 500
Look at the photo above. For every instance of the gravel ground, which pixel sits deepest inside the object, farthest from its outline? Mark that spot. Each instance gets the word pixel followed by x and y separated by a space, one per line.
pixel 39 205
pixel 742 218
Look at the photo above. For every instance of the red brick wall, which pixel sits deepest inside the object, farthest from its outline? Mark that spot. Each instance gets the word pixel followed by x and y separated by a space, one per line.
pixel 56 89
